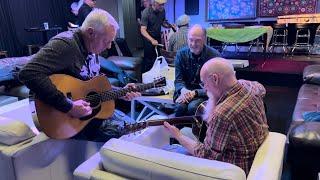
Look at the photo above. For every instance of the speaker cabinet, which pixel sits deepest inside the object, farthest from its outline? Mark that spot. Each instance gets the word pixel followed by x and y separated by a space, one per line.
pixel 191 7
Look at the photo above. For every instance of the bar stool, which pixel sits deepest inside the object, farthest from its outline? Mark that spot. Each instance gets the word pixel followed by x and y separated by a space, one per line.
pixel 259 42
pixel 279 38
pixel 316 44
pixel 226 44
pixel 302 38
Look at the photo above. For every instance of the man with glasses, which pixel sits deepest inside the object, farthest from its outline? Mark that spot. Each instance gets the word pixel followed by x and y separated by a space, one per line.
pixel 188 94
pixel 152 19
pixel 235 116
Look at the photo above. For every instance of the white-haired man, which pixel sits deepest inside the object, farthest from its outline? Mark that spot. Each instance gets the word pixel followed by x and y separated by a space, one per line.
pixel 180 38
pixel 152 19
pixel 76 54
pixel 235 116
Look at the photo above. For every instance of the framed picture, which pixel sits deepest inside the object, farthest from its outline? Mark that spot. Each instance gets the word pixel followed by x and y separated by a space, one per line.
pixel 285 7
pixel 218 10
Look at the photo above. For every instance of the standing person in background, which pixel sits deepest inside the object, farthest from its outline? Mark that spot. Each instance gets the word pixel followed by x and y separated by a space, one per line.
pixel 85 9
pixel 180 38
pixel 152 19
pixel 144 4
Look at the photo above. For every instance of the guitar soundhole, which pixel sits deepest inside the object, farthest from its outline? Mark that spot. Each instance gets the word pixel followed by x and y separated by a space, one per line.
pixel 95 103
pixel 94 99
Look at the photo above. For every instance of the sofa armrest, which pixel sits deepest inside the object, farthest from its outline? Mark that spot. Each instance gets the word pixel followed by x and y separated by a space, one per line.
pixel 140 162
pixel 267 163
pixel 156 137
pixel 21 111
pixel 92 169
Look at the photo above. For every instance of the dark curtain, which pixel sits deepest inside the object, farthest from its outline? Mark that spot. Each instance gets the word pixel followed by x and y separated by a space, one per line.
pixel 16 15
pixel 8 38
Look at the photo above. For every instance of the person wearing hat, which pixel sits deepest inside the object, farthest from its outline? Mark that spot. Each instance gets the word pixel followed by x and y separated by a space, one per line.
pixel 179 39
pixel 152 19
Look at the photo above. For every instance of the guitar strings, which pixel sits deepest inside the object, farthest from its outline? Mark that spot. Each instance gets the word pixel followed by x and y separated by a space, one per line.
pixel 113 93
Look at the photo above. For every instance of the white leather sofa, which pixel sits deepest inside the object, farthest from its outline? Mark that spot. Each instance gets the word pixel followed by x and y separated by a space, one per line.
pixel 139 156
pixel 37 157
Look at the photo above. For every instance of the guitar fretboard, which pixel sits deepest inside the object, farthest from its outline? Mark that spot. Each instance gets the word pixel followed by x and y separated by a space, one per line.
pixel 114 94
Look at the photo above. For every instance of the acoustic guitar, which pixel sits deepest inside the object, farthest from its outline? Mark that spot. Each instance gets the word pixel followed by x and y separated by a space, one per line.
pixel 97 92
pixel 199 127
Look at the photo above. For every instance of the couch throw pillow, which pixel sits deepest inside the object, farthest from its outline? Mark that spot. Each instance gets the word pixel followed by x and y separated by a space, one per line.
pixel 13 131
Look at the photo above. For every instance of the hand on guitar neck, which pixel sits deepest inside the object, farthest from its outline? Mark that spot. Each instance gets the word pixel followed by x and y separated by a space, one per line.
pixel 168 25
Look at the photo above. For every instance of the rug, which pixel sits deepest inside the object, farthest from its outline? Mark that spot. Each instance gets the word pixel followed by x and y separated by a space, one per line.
pixel 274 8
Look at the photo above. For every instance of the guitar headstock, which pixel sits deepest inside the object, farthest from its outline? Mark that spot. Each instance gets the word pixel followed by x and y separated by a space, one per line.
pixel 160 82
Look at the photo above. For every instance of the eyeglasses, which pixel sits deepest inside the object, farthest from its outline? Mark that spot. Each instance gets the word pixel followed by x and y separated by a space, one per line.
pixel 201 84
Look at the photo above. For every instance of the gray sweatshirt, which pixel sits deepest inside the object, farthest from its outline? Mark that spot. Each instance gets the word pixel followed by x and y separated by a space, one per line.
pixel 63 54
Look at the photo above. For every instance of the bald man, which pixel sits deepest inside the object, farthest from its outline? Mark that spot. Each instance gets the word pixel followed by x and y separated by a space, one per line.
pixel 235 117
pixel 189 60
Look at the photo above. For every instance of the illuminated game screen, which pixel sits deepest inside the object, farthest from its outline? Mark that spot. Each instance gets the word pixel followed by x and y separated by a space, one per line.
pixel 231 9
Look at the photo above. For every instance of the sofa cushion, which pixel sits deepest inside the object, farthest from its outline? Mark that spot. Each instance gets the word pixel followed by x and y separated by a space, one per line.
pixel 14 131
pixel 311 74
pixel 126 63
pixel 10 66
pixel 131 66
pixel 308 100
pixel 303 150
pixel 141 162
pixel 309 91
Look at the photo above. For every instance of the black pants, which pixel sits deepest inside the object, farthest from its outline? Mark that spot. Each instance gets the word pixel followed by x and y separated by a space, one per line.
pixel 95 132
pixel 149 54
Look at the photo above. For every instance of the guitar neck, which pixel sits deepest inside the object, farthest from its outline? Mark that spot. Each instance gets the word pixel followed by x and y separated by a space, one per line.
pixel 173 121
pixel 178 120
pixel 115 94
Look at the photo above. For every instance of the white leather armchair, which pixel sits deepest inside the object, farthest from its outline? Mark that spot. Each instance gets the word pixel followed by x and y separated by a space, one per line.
pixel 140 157
pixel 40 157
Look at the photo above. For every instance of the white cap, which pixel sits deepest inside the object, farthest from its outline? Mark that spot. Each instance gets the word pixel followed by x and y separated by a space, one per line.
pixel 161 1
pixel 183 20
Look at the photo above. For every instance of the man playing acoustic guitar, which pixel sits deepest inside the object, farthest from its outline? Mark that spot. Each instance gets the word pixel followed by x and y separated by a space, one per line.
pixel 74 54
pixel 235 116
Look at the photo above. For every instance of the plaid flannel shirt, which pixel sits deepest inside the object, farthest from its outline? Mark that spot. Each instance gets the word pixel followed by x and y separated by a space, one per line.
pixel 238 126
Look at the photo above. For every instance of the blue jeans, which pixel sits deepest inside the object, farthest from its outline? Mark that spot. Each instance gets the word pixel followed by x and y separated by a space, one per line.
pixel 188 109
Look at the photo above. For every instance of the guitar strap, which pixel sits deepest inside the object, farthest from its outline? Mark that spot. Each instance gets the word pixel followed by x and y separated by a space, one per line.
pixel 118 48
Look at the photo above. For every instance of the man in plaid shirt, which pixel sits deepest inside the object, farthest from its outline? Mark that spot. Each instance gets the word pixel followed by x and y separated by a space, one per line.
pixel 235 116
